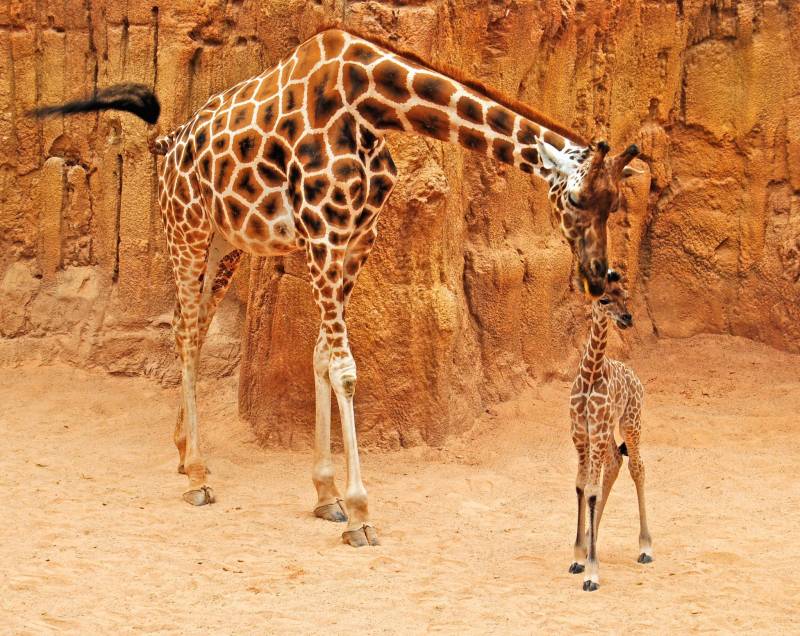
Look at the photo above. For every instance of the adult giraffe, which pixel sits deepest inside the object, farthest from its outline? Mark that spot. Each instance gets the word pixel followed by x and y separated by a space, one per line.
pixel 295 159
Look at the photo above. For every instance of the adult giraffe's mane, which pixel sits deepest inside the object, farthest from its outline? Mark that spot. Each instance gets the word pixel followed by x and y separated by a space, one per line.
pixel 519 107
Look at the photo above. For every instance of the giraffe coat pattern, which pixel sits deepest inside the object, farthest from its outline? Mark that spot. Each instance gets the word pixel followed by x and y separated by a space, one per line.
pixel 605 393
pixel 295 160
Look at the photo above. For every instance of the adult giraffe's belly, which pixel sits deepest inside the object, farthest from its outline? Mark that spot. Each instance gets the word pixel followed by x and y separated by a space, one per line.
pixel 264 226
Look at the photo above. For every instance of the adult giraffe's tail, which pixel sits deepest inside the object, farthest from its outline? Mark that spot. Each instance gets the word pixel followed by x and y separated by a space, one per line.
pixel 133 98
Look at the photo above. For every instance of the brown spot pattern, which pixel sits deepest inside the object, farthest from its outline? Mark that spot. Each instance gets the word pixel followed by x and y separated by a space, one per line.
pixel 503 151
pixel 247 186
pixel 528 132
pixel 292 98
pixel 557 141
pixel 360 52
pixel 271 205
pixel 268 87
pixel 355 82
pixel 245 146
pixel 272 177
pixel 380 115
pixel 342 134
pixel 246 91
pixel 430 121
pixel 472 139
pixel 241 116
pixel 470 110
pixel 311 152
pixel 267 114
pixel 289 126
pixel 308 55
pixel 223 169
pixel 433 89
pixel 390 81
pixel 236 212
pixel 500 119
pixel 315 189
pixel 332 42
pixel 324 99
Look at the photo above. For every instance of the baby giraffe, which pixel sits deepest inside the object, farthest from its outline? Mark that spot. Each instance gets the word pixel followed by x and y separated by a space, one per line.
pixel 605 392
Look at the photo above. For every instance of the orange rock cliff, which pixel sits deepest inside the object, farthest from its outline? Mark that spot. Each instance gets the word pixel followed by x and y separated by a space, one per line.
pixel 465 298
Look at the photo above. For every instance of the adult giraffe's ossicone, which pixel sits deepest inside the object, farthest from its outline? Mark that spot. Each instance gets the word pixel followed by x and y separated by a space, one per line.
pixel 295 159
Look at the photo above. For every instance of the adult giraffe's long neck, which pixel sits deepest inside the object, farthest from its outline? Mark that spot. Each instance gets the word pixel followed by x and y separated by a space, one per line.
pixel 389 91
pixel 595 353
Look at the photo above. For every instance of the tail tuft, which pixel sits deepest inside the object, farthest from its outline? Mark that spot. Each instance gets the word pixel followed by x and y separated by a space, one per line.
pixel 133 98
pixel 623 449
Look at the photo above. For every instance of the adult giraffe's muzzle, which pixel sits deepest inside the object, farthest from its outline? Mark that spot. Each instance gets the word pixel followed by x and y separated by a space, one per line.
pixel 592 278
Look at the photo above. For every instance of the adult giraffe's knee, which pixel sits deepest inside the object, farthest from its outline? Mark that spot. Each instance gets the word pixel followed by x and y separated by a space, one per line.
pixel 342 373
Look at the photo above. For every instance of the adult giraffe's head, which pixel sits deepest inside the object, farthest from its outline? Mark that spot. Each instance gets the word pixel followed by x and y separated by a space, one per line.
pixel 584 190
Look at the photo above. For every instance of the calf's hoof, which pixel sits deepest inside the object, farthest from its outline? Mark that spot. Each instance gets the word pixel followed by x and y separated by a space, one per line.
pixel 576 568
pixel 590 586
pixel 644 558
pixel 365 535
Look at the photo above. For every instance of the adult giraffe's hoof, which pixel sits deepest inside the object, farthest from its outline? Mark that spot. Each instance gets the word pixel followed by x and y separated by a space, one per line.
pixel 576 568
pixel 590 586
pixel 331 512
pixel 200 497
pixel 644 558
pixel 365 535
pixel 182 470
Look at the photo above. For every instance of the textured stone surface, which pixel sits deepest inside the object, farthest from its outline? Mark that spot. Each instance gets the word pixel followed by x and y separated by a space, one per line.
pixel 464 299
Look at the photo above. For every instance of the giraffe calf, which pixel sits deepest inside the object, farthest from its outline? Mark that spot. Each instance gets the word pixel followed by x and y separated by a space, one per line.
pixel 605 393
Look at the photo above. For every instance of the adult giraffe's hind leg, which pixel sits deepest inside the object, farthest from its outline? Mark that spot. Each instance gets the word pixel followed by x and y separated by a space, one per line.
pixel 191 260
pixel 222 279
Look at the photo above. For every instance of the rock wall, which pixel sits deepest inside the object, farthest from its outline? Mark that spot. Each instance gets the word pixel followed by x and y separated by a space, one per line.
pixel 465 297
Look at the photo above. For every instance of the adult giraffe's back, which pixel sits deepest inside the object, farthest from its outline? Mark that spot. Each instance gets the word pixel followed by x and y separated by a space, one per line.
pixel 295 159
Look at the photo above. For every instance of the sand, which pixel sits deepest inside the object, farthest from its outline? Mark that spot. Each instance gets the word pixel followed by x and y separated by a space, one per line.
pixel 477 535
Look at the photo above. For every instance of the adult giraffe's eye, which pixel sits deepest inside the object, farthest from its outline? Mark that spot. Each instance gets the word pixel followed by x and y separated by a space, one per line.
pixel 604 301
pixel 573 202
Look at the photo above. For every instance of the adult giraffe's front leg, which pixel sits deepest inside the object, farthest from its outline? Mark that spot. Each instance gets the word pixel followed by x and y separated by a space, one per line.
pixel 339 240
pixel 359 531
pixel 342 371
pixel 329 502
pixel 333 273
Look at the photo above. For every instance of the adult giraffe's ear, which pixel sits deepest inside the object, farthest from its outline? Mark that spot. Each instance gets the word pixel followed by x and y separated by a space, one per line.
pixel 630 171
pixel 552 158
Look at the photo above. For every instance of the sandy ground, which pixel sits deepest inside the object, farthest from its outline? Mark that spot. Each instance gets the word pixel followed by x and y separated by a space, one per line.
pixel 476 536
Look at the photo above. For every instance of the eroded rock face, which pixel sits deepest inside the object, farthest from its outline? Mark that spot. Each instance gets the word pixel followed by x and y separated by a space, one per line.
pixel 466 295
